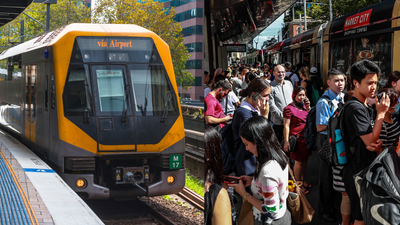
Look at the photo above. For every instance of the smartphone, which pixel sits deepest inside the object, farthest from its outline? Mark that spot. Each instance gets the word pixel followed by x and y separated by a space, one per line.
pixel 231 180
pixel 380 95
pixel 256 96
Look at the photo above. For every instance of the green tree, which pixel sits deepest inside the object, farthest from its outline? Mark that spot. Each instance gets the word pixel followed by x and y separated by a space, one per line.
pixel 339 8
pixel 61 14
pixel 153 16
pixel 319 13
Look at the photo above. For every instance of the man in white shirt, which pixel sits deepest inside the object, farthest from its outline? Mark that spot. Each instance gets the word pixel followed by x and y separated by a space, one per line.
pixel 289 75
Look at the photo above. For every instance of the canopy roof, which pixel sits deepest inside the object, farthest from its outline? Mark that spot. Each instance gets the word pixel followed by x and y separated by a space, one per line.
pixel 10 9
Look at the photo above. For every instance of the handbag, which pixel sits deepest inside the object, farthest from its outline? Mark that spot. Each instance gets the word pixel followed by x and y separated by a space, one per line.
pixel 298 205
pixel 325 153
pixel 246 214
pixel 378 186
pixel 292 143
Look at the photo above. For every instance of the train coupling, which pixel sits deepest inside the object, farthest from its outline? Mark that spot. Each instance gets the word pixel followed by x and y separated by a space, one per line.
pixel 131 175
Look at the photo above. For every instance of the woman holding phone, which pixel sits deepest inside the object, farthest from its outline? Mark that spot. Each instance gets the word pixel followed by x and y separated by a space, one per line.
pixel 256 103
pixel 294 122
pixel 270 182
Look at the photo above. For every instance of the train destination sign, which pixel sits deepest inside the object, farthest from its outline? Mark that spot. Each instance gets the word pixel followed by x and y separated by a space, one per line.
pixel 115 43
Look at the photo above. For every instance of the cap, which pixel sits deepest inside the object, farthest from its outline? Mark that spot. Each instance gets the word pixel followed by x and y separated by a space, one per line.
pixel 313 70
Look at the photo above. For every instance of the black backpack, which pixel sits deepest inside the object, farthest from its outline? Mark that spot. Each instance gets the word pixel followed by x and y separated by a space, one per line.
pixel 378 187
pixel 310 131
pixel 227 148
pixel 332 154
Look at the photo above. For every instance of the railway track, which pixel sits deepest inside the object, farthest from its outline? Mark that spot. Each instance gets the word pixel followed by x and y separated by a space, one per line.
pixel 192 197
pixel 128 212
pixel 156 214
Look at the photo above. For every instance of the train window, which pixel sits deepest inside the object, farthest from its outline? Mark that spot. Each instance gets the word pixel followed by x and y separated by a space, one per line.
pixel 110 86
pixel 76 93
pixel 30 92
pixel 152 91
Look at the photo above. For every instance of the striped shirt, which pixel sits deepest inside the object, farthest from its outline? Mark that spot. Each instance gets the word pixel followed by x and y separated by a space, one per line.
pixel 390 132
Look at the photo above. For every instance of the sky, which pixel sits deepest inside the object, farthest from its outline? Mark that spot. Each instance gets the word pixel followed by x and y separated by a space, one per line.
pixel 269 32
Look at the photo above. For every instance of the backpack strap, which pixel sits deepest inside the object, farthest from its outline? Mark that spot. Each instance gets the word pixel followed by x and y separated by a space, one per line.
pixel 342 111
pixel 328 99
pixel 290 76
pixel 226 104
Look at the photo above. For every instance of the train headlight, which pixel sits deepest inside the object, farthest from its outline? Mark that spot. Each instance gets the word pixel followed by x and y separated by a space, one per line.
pixel 171 179
pixel 81 183
pixel 112 56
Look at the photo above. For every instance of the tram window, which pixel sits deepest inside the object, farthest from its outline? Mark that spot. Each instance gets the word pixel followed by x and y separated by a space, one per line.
pixel 152 91
pixel 76 96
pixel 376 48
pixel 110 85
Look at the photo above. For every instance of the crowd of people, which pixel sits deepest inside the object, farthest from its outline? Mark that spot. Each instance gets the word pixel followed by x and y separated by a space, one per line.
pixel 266 108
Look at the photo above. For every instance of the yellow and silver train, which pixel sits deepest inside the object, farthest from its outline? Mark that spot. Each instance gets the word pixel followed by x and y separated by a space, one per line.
pixel 100 102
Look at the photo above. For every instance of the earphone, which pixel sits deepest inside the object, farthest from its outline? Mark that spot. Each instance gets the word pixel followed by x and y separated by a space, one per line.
pixel 357 85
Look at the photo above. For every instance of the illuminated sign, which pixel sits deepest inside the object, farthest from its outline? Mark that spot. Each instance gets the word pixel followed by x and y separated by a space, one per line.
pixel 357 20
pixel 115 44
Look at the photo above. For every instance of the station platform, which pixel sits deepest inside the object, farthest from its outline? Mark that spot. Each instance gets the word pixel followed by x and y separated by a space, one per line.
pixel 32 193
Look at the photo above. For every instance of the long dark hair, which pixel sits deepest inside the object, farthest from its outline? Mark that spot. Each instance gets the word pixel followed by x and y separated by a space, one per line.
pixel 256 85
pixel 258 131
pixel 296 92
pixel 213 168
pixel 393 77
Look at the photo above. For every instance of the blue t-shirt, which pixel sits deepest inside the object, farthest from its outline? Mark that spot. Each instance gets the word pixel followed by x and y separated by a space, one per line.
pixel 324 111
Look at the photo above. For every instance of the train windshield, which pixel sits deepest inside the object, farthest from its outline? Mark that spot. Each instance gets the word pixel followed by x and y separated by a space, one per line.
pixel 110 88
pixel 152 95
pixel 127 74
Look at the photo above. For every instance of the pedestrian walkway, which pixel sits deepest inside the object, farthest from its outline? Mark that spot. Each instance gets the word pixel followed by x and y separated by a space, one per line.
pixel 32 193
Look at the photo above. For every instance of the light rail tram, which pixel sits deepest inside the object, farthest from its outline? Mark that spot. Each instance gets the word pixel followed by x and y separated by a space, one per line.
pixel 100 102
pixel 371 33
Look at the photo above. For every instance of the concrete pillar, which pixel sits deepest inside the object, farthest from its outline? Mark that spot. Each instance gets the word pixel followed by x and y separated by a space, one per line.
pixel 222 57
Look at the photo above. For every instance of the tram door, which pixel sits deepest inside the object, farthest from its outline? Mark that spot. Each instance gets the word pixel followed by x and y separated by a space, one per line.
pixel 30 102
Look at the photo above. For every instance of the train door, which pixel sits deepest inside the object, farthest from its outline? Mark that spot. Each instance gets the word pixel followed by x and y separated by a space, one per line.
pixel 46 116
pixel 30 102
pixel 115 124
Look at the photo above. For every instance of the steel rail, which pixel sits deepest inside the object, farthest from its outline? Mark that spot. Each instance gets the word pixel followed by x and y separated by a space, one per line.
pixel 159 216
pixel 192 197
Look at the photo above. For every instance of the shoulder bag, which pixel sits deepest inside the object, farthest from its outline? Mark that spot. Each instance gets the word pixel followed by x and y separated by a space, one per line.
pixel 297 203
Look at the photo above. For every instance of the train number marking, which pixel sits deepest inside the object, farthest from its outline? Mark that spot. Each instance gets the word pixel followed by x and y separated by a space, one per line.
pixel 175 161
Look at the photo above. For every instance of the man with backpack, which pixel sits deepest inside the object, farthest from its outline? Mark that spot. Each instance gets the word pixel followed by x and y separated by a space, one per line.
pixel 326 106
pixel 360 129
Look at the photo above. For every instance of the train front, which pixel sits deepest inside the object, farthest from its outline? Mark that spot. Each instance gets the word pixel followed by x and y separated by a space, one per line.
pixel 121 124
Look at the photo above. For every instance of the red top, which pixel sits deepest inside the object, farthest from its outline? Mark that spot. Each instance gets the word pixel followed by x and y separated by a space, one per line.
pixel 297 119
pixel 214 108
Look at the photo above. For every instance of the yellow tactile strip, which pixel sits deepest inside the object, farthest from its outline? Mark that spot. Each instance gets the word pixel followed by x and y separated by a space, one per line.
pixel 40 210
